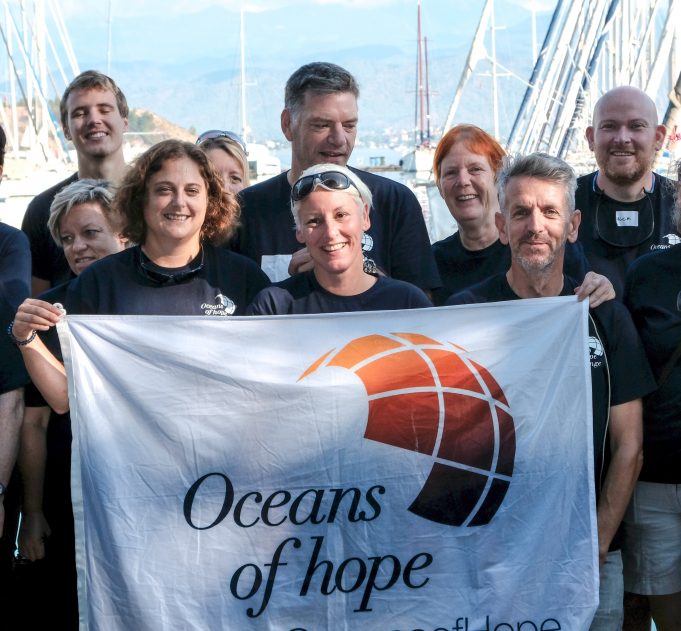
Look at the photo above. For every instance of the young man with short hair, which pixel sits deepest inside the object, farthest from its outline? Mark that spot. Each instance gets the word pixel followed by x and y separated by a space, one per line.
pixel 94 116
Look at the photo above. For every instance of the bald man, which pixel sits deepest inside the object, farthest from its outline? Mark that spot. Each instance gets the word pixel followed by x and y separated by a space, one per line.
pixel 626 207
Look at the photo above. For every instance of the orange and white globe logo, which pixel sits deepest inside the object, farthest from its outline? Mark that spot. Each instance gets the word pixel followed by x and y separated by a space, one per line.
pixel 425 396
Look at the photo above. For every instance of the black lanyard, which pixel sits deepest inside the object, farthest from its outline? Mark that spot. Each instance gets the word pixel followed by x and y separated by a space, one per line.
pixel 613 229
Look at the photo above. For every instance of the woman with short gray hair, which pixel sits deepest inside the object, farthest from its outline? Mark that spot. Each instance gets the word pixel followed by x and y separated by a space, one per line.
pixel 330 206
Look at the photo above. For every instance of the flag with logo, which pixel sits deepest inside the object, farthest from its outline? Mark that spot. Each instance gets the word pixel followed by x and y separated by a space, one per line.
pixel 425 469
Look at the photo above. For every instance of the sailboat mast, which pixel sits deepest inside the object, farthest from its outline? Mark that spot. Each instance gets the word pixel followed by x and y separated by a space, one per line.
pixel 420 79
pixel 476 51
pixel 495 98
pixel 108 40
pixel 425 50
pixel 416 100
pixel 242 38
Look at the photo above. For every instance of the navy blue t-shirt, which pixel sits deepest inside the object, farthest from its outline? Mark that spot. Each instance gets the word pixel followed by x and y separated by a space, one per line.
pixel 303 294
pixel 653 295
pixel 398 241
pixel 460 268
pixel 48 258
pixel 15 287
pixel 616 355
pixel 221 283
pixel 607 223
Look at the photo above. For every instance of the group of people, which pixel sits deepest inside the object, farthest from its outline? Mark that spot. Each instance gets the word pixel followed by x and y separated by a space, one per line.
pixel 610 219
pixel 181 232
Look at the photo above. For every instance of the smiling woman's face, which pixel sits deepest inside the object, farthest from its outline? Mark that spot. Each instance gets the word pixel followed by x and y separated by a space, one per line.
pixel 331 225
pixel 467 185
pixel 175 205
pixel 86 236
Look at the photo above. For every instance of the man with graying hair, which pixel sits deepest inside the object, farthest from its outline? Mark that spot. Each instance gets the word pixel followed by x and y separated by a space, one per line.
pixel 320 120
pixel 537 218
pixel 626 207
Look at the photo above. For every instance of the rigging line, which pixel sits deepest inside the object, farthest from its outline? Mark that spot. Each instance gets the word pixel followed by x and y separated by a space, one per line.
pixel 30 113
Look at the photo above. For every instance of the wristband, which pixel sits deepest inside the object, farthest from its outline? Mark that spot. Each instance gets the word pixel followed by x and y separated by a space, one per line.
pixel 15 339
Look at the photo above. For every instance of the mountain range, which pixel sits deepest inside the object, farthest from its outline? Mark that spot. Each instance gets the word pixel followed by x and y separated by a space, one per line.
pixel 193 76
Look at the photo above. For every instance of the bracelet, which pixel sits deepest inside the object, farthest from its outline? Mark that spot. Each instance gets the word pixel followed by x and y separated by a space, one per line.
pixel 15 339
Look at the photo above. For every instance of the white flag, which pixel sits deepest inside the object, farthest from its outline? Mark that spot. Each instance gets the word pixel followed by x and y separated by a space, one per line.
pixel 426 469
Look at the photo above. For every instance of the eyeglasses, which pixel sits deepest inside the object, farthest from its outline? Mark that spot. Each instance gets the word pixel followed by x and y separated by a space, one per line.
pixel 211 134
pixel 153 273
pixel 330 180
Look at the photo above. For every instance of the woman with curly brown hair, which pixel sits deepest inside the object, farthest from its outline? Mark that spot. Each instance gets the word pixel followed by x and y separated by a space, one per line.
pixel 177 210
pixel 172 204
pixel 174 207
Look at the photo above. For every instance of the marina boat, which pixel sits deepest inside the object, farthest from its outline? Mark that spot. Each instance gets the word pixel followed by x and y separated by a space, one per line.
pixel 261 163
pixel 420 159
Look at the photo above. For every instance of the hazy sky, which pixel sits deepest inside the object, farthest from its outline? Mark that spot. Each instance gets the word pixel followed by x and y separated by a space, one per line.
pixel 180 58
pixel 187 28
pixel 147 7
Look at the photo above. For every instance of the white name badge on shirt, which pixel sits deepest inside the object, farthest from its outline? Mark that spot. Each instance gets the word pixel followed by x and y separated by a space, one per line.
pixel 627 218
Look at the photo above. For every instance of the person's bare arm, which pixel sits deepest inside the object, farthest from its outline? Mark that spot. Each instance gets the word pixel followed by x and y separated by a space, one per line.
pixel 39 285
pixel 626 449
pixel 11 410
pixel 46 371
pixel 31 460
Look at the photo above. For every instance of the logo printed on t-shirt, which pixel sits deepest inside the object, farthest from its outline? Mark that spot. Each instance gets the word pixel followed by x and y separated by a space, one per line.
pixel 367 242
pixel 595 352
pixel 672 239
pixel 223 306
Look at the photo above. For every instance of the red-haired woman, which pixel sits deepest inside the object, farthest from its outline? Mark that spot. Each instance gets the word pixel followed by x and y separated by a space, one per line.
pixel 465 165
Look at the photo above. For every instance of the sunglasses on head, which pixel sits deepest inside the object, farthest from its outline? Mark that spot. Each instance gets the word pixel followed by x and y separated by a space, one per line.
pixel 211 134
pixel 330 180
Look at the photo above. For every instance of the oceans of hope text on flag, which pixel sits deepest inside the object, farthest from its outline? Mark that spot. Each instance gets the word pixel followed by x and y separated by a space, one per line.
pixel 426 469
